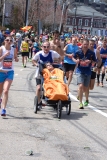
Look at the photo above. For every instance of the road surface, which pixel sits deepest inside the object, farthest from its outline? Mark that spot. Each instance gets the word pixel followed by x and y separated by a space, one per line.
pixel 80 136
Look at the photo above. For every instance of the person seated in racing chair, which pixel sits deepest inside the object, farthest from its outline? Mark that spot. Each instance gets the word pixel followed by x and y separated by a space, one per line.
pixel 54 86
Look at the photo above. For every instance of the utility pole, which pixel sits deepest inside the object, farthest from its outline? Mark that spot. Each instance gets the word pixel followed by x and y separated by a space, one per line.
pixel 3 16
pixel 54 16
pixel 92 20
pixel 26 13
pixel 74 20
pixel 38 17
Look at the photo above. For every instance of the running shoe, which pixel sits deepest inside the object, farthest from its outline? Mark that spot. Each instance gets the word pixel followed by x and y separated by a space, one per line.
pixel 81 106
pixel 3 112
pixel 86 103
pixel 101 84
pixel 0 102
pixel 78 97
pixel 29 59
pixel 40 106
pixel 24 66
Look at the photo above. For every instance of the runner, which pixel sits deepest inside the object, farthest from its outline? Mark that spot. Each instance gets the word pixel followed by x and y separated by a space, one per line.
pixel 25 51
pixel 46 55
pixel 103 52
pixel 83 58
pixel 69 64
pixel 19 40
pixel 80 42
pixel 7 55
pixel 56 45
pixel 36 46
pixel 93 69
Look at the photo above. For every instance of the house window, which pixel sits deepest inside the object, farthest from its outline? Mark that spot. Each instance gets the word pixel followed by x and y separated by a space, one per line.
pixel 68 21
pixel 104 24
pixel 100 23
pixel 97 23
pixel 74 21
pixel 86 22
pixel 94 23
pixel 80 22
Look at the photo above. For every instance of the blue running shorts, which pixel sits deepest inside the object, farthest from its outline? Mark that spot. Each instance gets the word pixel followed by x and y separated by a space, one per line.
pixel 9 75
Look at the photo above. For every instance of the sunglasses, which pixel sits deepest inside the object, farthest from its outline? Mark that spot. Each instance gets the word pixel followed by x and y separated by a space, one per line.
pixel 46 46
pixel 8 40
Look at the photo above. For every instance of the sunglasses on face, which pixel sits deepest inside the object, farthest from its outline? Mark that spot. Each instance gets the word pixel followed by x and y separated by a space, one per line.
pixel 45 46
pixel 8 40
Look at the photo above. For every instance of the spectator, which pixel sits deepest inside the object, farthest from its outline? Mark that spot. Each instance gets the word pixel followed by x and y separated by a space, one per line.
pixel 1 37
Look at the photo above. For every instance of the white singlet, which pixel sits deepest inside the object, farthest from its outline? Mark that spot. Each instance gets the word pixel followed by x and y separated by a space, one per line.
pixel 7 63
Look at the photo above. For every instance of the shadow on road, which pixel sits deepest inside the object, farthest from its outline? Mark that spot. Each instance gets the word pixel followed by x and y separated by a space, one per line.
pixel 25 118
pixel 73 116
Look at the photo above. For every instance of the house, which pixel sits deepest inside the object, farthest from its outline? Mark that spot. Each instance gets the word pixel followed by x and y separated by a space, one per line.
pixel 98 5
pixel 86 20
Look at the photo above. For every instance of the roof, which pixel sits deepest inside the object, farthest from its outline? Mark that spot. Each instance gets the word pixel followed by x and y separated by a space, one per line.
pixel 85 11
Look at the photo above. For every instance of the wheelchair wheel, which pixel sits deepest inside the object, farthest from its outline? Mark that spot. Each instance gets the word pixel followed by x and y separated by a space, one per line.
pixel 35 104
pixel 68 109
pixel 59 109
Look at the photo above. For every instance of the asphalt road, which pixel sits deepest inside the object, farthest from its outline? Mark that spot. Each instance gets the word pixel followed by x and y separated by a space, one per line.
pixel 80 136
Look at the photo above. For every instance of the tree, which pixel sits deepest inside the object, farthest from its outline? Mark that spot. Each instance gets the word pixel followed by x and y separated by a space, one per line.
pixel 39 9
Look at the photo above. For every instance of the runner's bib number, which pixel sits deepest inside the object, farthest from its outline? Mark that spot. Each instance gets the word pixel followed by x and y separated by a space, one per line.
pixel 25 49
pixel 7 63
pixel 83 63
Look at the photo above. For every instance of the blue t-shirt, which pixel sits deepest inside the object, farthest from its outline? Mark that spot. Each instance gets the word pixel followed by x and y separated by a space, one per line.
pixel 103 51
pixel 82 68
pixel 70 49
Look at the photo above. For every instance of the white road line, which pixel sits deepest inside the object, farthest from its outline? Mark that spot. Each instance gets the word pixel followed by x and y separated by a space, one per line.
pixel 16 74
pixel 21 69
pixel 89 106
pixel 73 97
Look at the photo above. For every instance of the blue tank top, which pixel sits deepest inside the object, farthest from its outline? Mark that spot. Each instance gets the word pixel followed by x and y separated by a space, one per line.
pixel 46 59
pixel 103 51
pixel 36 46
pixel 70 49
